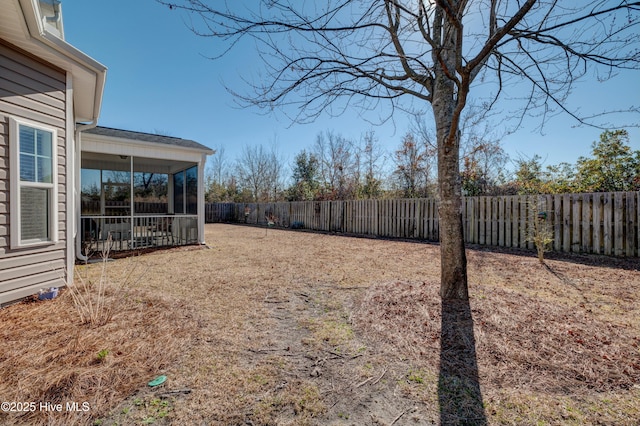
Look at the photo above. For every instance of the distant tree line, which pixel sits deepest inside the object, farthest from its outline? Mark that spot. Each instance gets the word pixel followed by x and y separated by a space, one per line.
pixel 338 168
pixel 612 166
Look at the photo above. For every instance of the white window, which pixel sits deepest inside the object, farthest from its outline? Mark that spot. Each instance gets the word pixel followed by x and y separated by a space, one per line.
pixel 34 182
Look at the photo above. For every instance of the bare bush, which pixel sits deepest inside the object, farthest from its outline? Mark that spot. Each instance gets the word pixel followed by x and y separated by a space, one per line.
pixel 90 295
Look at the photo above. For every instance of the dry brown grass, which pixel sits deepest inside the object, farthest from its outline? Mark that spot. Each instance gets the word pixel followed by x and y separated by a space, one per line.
pixel 49 355
pixel 300 328
pixel 521 341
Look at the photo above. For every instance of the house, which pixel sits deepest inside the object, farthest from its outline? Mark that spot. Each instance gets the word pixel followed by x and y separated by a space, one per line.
pixel 50 99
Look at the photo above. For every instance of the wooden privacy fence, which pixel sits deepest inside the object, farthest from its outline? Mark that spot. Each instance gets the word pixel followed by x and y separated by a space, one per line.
pixel 604 223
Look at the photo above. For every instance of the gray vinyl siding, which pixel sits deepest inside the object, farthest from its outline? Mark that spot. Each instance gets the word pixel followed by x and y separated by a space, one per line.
pixel 35 91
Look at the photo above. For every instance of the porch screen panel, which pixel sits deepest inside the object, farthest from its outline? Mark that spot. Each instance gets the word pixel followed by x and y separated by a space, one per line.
pixel 90 191
pixel 192 190
pixel 116 187
pixel 178 193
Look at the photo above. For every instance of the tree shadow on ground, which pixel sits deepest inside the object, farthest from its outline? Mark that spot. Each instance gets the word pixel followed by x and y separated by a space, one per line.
pixel 459 394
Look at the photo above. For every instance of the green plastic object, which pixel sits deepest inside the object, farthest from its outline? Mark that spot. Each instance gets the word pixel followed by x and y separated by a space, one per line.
pixel 158 381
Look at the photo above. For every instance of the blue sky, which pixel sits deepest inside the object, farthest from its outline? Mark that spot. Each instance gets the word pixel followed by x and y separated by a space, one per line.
pixel 160 80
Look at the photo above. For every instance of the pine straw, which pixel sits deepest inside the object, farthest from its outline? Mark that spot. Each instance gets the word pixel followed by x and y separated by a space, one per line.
pixel 59 360
pixel 522 341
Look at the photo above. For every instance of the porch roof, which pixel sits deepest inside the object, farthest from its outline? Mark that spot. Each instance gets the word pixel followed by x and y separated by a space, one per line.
pixel 149 137
pixel 166 154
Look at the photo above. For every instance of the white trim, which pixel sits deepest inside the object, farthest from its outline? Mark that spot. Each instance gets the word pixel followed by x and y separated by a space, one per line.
pixel 132 196
pixel 201 209
pixel 16 184
pixel 137 148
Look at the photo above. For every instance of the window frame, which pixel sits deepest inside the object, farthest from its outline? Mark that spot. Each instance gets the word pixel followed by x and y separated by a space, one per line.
pixel 17 184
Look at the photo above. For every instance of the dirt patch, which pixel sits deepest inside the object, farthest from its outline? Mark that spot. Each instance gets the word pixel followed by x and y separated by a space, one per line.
pixel 353 382
pixel 285 327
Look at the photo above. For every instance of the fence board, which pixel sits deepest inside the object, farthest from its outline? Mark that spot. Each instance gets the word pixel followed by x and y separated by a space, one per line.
pixel 566 222
pixel 597 222
pixel 630 213
pixel 472 219
pixel 557 222
pixel 618 219
pixel 585 239
pixel 399 214
pixel 508 218
pixel 532 214
pixel 420 213
pixel 483 224
pixel 525 216
pixel 402 206
pixel 382 213
pixel 495 221
pixel 576 221
pixel 501 221
pixel 411 219
pixel 608 223
pixel 384 218
pixel 388 218
pixel 515 222
pixel 422 219
pixel 548 209
pixel 403 218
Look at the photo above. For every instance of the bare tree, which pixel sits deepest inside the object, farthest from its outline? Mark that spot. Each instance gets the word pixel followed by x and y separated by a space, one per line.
pixel 218 167
pixel 483 158
pixel 337 164
pixel 483 167
pixel 260 171
pixel 372 158
pixel 413 170
pixel 368 52
pixel 221 185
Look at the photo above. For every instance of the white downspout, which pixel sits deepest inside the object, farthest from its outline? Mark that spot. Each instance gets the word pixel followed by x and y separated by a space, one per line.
pixel 132 204
pixel 70 185
pixel 200 205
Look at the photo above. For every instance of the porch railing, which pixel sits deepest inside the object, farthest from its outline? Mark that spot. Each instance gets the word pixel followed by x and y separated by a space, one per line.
pixel 137 232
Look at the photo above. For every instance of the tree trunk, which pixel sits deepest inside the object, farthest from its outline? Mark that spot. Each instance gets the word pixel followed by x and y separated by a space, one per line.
pixel 447 104
pixel 453 260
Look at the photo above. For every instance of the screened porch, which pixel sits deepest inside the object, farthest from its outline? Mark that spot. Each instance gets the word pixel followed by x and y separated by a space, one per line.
pixel 131 202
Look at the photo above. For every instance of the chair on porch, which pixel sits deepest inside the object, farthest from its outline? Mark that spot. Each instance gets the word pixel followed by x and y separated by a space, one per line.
pixel 184 230
pixel 163 231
